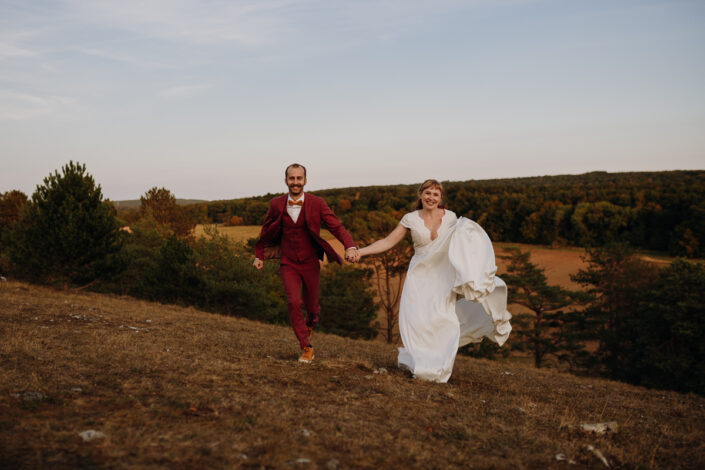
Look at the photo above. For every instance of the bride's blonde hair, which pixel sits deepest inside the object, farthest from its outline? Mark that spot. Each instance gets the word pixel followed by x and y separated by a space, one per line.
pixel 433 184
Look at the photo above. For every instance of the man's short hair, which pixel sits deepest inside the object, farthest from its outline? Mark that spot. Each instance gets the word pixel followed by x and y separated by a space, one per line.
pixel 294 165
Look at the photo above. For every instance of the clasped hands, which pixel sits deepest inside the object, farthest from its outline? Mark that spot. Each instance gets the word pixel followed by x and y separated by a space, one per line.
pixel 352 255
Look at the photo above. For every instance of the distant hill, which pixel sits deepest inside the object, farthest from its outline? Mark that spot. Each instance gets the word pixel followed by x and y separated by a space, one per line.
pixel 175 387
pixel 135 203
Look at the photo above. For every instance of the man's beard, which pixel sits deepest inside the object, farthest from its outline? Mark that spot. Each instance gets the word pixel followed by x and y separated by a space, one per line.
pixel 296 189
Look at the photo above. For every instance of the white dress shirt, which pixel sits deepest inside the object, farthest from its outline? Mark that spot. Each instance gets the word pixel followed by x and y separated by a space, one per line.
pixel 294 211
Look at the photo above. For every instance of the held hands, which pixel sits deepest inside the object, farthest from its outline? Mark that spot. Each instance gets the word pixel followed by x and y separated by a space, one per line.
pixel 352 255
pixel 258 263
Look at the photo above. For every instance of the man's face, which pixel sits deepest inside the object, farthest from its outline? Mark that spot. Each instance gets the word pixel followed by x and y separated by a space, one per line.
pixel 295 180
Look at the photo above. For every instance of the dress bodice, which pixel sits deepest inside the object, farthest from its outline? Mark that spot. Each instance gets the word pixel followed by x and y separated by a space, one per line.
pixel 420 234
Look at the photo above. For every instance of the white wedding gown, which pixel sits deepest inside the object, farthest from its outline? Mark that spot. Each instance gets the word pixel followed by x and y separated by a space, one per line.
pixel 451 296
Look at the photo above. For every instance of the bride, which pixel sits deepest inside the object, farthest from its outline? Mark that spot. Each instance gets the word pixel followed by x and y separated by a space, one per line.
pixel 451 296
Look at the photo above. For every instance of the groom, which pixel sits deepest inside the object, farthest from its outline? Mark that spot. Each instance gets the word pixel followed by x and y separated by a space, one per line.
pixel 291 231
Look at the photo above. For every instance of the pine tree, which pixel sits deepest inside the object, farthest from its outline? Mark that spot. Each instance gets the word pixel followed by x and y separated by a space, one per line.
pixel 649 322
pixel 66 234
pixel 613 278
pixel 668 327
pixel 538 332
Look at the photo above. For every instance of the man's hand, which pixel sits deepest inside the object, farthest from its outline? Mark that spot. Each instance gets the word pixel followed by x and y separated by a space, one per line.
pixel 352 255
pixel 258 263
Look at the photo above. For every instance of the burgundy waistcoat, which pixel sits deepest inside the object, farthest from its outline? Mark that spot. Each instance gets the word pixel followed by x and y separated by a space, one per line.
pixel 297 245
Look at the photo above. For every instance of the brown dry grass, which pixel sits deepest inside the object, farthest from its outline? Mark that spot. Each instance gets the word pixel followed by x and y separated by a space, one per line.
pixel 190 389
pixel 242 233
pixel 237 233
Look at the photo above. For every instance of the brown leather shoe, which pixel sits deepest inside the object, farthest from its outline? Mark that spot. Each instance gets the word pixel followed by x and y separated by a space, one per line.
pixel 306 355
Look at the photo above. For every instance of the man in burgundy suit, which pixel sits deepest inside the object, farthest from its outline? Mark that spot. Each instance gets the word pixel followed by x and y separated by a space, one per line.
pixel 291 232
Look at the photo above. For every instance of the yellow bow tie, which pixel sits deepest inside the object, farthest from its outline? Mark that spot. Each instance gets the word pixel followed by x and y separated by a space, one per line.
pixel 296 203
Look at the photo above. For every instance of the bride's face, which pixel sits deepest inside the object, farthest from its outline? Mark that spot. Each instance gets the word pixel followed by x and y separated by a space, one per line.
pixel 430 198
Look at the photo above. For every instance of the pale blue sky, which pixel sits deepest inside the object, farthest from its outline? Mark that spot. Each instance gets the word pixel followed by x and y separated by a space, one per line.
pixel 212 99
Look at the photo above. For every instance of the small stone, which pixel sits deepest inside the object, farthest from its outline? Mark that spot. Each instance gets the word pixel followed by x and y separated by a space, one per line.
pixel 598 454
pixel 381 370
pixel 91 434
pixel 332 464
pixel 563 458
pixel 148 321
pixel 300 461
pixel 600 428
pixel 306 433
pixel 77 390
pixel 33 396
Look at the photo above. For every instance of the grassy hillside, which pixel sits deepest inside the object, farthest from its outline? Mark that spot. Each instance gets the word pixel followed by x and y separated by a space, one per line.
pixel 174 387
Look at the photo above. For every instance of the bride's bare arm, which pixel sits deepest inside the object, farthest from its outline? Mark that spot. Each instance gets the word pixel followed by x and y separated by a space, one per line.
pixel 386 243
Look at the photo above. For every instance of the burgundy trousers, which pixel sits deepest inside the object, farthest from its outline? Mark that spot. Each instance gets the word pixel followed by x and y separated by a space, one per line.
pixel 294 277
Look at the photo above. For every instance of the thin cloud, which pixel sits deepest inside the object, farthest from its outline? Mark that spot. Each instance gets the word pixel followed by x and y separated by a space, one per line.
pixel 253 23
pixel 11 44
pixel 9 51
pixel 123 58
pixel 199 22
pixel 19 106
pixel 181 92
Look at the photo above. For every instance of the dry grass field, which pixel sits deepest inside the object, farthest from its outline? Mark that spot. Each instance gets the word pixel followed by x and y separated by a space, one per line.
pixel 559 263
pixel 172 387
pixel 242 233
pixel 237 233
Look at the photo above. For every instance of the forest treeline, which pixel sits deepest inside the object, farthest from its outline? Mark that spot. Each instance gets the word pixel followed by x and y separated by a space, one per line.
pixel 632 320
pixel 661 211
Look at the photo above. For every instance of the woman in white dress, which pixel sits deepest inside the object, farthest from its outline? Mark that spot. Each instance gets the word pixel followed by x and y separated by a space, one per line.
pixel 451 296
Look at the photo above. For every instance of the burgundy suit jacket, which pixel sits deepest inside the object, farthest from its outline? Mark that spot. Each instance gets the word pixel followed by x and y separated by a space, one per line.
pixel 315 211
